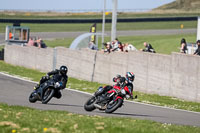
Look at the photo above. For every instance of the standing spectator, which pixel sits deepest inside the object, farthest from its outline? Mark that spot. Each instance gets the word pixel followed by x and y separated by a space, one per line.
pixel 148 48
pixel 197 52
pixel 183 46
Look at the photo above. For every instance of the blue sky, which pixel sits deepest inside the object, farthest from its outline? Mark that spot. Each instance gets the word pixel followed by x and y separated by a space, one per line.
pixel 78 4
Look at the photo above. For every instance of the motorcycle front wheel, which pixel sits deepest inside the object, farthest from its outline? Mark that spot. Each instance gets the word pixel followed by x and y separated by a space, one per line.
pixel 48 94
pixel 89 105
pixel 114 106
pixel 32 97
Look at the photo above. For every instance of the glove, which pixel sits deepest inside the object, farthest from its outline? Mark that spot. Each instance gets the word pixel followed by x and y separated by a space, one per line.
pixel 122 79
pixel 47 76
pixel 57 85
pixel 114 79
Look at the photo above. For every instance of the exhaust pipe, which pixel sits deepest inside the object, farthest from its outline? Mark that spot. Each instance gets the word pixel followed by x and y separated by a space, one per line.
pixel 97 106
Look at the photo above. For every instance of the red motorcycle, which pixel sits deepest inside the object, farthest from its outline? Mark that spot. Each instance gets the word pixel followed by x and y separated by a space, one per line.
pixel 108 99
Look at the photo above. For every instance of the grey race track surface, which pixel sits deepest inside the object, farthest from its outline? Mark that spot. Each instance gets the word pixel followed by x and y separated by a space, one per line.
pixel 54 35
pixel 16 92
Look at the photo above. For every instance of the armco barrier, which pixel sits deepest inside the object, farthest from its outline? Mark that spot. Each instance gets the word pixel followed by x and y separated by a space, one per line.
pixel 174 75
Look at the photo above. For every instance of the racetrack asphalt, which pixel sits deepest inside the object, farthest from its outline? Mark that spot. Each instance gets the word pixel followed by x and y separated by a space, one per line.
pixel 58 35
pixel 14 91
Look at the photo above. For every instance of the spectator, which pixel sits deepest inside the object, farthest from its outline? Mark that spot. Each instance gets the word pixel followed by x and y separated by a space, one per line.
pixel 120 47
pixel 148 48
pixel 30 42
pixel 115 45
pixel 92 46
pixel 129 47
pixel 183 46
pixel 40 43
pixel 197 52
pixel 107 47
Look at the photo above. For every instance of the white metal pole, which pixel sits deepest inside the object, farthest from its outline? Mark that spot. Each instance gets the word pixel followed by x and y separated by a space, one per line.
pixel 198 29
pixel 114 20
pixel 103 24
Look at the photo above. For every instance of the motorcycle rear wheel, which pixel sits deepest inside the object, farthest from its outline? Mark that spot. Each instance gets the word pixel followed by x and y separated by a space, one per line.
pixel 89 105
pixel 32 98
pixel 48 94
pixel 114 106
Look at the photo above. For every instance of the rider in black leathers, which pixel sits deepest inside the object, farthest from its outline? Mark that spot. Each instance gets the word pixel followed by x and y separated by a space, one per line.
pixel 60 77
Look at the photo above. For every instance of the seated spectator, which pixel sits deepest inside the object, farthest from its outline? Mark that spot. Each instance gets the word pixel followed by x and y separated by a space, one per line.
pixel 197 52
pixel 30 42
pixel 148 48
pixel 40 43
pixel 183 46
pixel 115 45
pixel 107 47
pixel 129 47
pixel 92 46
pixel 120 47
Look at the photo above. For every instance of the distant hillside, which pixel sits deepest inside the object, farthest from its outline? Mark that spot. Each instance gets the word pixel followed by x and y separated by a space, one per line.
pixel 181 5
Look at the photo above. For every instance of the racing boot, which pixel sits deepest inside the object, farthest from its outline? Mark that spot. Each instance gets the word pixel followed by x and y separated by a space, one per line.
pixel 58 94
pixel 36 87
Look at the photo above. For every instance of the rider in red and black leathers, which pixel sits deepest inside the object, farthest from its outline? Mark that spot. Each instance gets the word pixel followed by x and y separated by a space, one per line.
pixel 122 82
pixel 126 82
pixel 60 77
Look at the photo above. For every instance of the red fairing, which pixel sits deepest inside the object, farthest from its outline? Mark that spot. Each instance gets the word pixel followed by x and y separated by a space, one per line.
pixel 117 87
pixel 118 97
pixel 111 91
pixel 127 90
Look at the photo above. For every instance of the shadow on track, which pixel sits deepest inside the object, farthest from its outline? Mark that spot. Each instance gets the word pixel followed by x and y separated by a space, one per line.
pixel 65 105
pixel 129 114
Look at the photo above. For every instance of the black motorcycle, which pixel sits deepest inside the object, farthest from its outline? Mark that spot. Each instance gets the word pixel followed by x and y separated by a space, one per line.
pixel 44 93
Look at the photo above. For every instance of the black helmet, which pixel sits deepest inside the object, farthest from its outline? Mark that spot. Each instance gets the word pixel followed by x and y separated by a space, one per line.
pixel 63 70
pixel 130 76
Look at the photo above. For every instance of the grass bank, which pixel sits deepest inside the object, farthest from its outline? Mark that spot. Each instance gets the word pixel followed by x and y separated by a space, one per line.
pixel 164 44
pixel 120 26
pixel 15 119
pixel 92 86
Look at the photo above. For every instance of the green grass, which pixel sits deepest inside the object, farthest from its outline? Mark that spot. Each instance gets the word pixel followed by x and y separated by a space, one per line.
pixel 164 44
pixel 92 86
pixel 120 26
pixel 23 119
pixel 1 47
pixel 64 42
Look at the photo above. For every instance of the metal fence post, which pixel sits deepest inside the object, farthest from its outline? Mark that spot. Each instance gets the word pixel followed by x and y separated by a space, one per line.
pixel 198 28
pixel 54 58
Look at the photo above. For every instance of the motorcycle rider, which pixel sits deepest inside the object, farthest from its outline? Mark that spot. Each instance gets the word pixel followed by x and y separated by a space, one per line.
pixel 122 82
pixel 60 77
pixel 126 82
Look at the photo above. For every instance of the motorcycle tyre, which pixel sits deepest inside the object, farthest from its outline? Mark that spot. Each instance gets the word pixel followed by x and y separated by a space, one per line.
pixel 32 99
pixel 90 107
pixel 51 94
pixel 115 107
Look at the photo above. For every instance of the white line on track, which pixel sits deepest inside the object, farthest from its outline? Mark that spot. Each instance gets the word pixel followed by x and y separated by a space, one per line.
pixel 21 78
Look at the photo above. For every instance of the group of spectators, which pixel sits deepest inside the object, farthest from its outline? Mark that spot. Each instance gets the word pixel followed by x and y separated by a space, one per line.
pixel 184 49
pixel 36 42
pixel 116 45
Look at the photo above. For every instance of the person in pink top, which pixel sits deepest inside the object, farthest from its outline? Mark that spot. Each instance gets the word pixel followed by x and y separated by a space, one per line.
pixel 31 42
